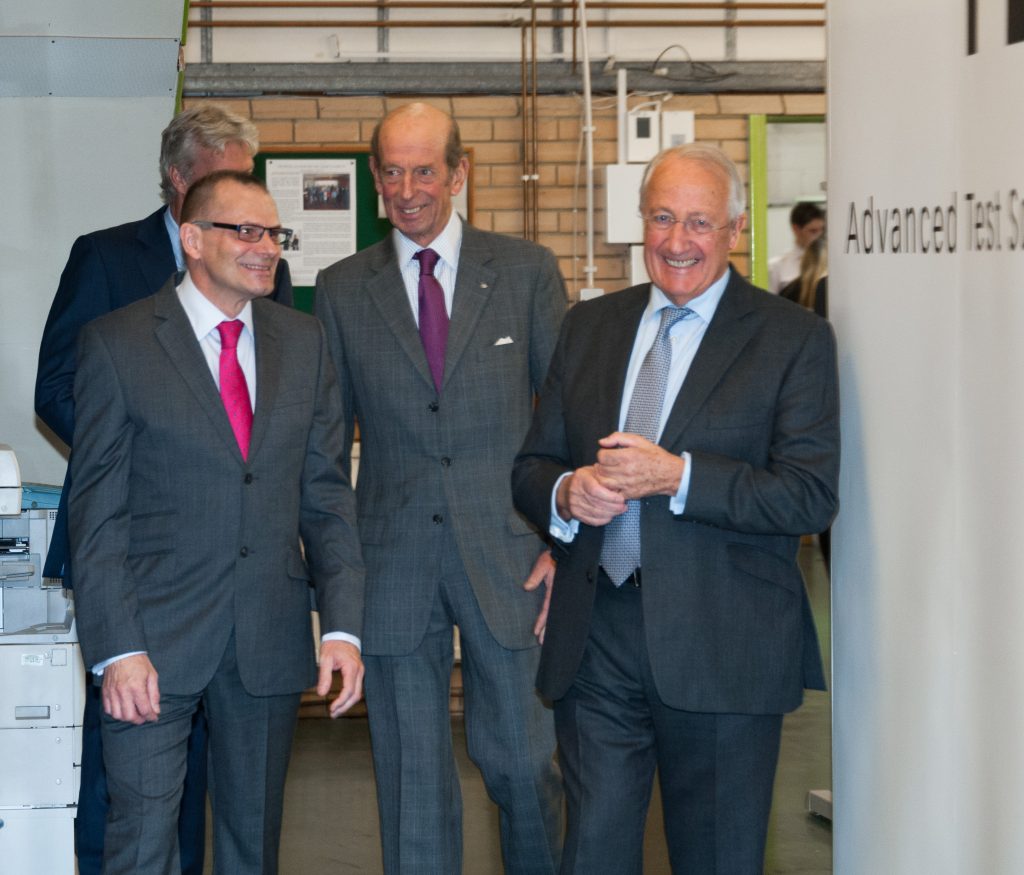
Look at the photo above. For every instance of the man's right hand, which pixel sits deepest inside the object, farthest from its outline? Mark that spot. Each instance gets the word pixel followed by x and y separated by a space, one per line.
pixel 584 497
pixel 130 690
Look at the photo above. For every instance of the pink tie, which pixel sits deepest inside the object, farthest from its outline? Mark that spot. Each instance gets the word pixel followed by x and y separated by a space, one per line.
pixel 233 389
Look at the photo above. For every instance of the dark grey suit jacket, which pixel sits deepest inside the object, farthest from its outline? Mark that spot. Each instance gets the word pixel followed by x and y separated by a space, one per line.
pixel 728 623
pixel 176 539
pixel 106 270
pixel 432 460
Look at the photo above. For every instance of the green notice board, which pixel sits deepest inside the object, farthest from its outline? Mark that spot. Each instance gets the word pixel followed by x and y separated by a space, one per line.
pixel 369 227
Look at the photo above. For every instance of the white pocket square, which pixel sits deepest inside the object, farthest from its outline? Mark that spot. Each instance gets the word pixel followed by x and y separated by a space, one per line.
pixel 501 341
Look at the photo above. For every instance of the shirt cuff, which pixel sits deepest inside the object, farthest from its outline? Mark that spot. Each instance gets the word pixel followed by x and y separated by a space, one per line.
pixel 343 636
pixel 559 528
pixel 97 670
pixel 677 504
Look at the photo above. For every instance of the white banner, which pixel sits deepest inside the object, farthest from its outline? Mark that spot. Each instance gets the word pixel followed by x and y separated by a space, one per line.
pixel 926 229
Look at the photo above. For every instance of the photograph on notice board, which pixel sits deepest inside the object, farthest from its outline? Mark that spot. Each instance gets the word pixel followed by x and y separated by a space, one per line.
pixel 314 198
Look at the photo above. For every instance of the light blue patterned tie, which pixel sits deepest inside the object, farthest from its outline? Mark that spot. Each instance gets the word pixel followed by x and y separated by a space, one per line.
pixel 620 551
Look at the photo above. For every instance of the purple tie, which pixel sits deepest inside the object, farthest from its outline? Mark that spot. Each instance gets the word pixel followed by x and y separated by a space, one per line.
pixel 234 391
pixel 433 316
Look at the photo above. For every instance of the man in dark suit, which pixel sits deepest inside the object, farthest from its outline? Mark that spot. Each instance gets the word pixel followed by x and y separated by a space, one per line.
pixel 106 270
pixel 686 436
pixel 208 437
pixel 439 363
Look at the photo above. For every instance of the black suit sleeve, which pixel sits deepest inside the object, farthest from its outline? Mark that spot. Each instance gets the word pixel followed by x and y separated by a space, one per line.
pixel 794 492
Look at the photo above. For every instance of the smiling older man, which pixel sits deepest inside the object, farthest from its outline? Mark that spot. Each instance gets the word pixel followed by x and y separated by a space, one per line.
pixel 686 436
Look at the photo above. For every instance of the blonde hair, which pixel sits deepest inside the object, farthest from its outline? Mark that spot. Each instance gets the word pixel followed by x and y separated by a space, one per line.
pixel 813 266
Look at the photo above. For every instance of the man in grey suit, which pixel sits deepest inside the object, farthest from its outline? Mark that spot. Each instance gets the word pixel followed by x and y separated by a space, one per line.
pixel 208 436
pixel 108 269
pixel 439 364
pixel 686 436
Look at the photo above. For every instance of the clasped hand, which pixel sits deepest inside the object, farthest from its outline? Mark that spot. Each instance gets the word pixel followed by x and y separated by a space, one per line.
pixel 628 467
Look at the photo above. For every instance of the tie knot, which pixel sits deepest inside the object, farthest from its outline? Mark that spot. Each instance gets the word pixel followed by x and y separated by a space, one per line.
pixel 229 331
pixel 670 316
pixel 428 261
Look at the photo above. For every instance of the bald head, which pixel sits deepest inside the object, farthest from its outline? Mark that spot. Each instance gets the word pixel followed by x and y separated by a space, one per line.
pixel 418 165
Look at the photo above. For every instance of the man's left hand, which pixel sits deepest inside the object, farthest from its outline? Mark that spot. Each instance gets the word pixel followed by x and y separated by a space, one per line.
pixel 543 571
pixel 344 657
pixel 636 467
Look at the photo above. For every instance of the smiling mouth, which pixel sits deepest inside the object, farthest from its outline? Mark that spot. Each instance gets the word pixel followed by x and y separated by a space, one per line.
pixel 410 211
pixel 261 268
pixel 680 262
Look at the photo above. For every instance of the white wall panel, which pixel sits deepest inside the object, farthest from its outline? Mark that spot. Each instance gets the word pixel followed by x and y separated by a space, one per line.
pixel 928 685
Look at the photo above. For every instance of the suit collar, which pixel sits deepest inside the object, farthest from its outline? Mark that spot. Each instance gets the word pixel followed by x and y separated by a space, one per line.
pixel 155 254
pixel 475 282
pixel 618 331
pixel 731 328
pixel 386 289
pixel 174 332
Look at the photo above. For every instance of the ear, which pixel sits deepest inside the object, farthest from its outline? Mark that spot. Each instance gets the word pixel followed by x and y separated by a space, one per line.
pixel 460 175
pixel 191 240
pixel 737 229
pixel 178 181
pixel 376 176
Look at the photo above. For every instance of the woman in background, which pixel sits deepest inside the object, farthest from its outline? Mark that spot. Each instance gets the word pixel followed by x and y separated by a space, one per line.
pixel 810 288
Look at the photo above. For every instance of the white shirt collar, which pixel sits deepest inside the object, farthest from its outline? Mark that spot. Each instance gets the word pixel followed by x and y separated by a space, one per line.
pixel 704 305
pixel 203 315
pixel 446 244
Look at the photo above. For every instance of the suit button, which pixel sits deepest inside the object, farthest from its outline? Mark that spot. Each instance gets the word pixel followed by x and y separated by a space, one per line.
pixel 248 479
pixel 438 518
pixel 590 577
pixel 446 461
pixel 243 552
pixel 433 407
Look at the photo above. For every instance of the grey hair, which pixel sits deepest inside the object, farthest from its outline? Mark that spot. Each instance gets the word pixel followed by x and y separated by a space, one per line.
pixel 204 126
pixel 709 155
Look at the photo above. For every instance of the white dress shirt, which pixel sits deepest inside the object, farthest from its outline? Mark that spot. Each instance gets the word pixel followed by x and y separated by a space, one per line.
pixel 446 245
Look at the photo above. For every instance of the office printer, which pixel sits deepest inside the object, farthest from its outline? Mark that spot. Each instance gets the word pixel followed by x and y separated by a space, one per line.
pixel 42 688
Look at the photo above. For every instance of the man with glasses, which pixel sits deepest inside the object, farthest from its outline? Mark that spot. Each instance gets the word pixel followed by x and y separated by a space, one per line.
pixel 686 436
pixel 106 270
pixel 208 438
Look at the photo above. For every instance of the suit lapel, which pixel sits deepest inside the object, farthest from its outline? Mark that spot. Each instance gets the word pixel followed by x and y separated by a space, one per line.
pixel 474 285
pixel 386 289
pixel 614 346
pixel 731 328
pixel 156 257
pixel 268 373
pixel 174 332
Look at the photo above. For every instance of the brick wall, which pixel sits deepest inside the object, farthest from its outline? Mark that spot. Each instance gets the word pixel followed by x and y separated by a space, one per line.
pixel 492 127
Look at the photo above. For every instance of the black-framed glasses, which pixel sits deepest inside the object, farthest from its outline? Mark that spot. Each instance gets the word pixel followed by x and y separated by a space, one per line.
pixel 251 233
pixel 698 225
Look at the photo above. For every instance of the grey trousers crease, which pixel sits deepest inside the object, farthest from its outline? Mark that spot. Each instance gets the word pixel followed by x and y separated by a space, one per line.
pixel 250 744
pixel 715 771
pixel 510 736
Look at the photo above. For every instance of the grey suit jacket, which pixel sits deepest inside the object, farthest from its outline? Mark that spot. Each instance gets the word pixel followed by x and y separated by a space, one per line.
pixel 176 539
pixel 436 462
pixel 728 624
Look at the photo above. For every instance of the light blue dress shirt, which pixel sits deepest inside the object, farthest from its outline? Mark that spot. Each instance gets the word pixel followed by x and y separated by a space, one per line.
pixel 686 336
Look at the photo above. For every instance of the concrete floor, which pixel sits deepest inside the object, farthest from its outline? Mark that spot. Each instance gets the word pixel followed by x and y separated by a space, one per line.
pixel 331 826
